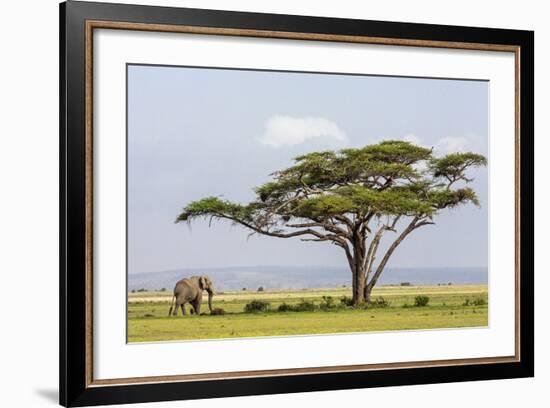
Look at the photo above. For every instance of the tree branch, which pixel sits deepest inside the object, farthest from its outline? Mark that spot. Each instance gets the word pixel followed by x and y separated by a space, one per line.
pixel 373 247
pixel 411 227
pixel 338 240
pixel 326 224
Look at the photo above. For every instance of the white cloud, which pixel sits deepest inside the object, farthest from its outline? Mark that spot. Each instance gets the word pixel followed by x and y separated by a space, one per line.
pixel 443 146
pixel 283 130
pixel 412 138
pixel 451 145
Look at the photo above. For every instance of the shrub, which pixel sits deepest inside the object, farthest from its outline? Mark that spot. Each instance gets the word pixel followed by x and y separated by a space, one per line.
pixel 479 302
pixel 476 302
pixel 421 301
pixel 163 290
pixel 218 311
pixel 346 301
pixel 261 289
pixel 327 303
pixel 142 290
pixel 257 306
pixel 379 302
pixel 284 307
pixel 305 306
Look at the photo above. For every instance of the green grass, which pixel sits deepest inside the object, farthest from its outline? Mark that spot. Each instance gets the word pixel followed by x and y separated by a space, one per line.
pixel 148 313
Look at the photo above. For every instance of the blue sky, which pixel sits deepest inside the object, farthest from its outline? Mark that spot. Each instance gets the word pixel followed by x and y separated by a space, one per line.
pixel 212 132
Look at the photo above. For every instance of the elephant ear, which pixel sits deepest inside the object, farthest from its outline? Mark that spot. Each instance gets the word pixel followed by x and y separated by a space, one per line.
pixel 202 282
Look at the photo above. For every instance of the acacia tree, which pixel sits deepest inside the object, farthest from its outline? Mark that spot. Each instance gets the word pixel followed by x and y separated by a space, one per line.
pixel 352 198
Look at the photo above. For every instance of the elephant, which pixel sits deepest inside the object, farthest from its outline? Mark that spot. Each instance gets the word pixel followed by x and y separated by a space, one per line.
pixel 190 290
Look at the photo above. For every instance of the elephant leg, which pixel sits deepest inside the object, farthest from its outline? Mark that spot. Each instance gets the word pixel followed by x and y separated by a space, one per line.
pixel 197 306
pixel 175 312
pixel 183 309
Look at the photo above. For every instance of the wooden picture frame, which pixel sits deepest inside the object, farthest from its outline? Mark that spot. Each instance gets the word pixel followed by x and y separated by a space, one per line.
pixel 78 20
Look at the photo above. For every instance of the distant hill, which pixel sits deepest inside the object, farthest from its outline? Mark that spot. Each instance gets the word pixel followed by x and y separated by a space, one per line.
pixel 299 277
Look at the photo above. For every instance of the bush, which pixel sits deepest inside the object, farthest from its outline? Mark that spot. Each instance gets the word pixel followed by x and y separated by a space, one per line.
pixel 142 290
pixel 421 301
pixel 305 306
pixel 480 302
pixel 163 290
pixel 218 311
pixel 379 302
pixel 284 307
pixel 346 301
pixel 261 289
pixel 257 306
pixel 476 302
pixel 327 303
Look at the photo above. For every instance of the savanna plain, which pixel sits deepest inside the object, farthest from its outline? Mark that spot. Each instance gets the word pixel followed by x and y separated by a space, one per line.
pixel 253 313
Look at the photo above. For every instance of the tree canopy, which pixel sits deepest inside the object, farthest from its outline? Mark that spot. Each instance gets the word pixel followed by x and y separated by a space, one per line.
pixel 349 196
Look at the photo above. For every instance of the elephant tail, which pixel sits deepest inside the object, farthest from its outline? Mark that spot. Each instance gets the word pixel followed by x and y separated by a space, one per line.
pixel 172 305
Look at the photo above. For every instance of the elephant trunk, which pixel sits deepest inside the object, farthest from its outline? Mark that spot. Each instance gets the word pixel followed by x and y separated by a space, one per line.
pixel 210 294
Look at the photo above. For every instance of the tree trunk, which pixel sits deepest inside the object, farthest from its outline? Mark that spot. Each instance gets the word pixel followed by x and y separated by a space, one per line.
pixel 367 292
pixel 361 262
pixel 358 286
pixel 389 252
pixel 357 264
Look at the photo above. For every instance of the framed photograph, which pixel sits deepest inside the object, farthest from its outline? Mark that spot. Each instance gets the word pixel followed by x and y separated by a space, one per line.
pixel 257 204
